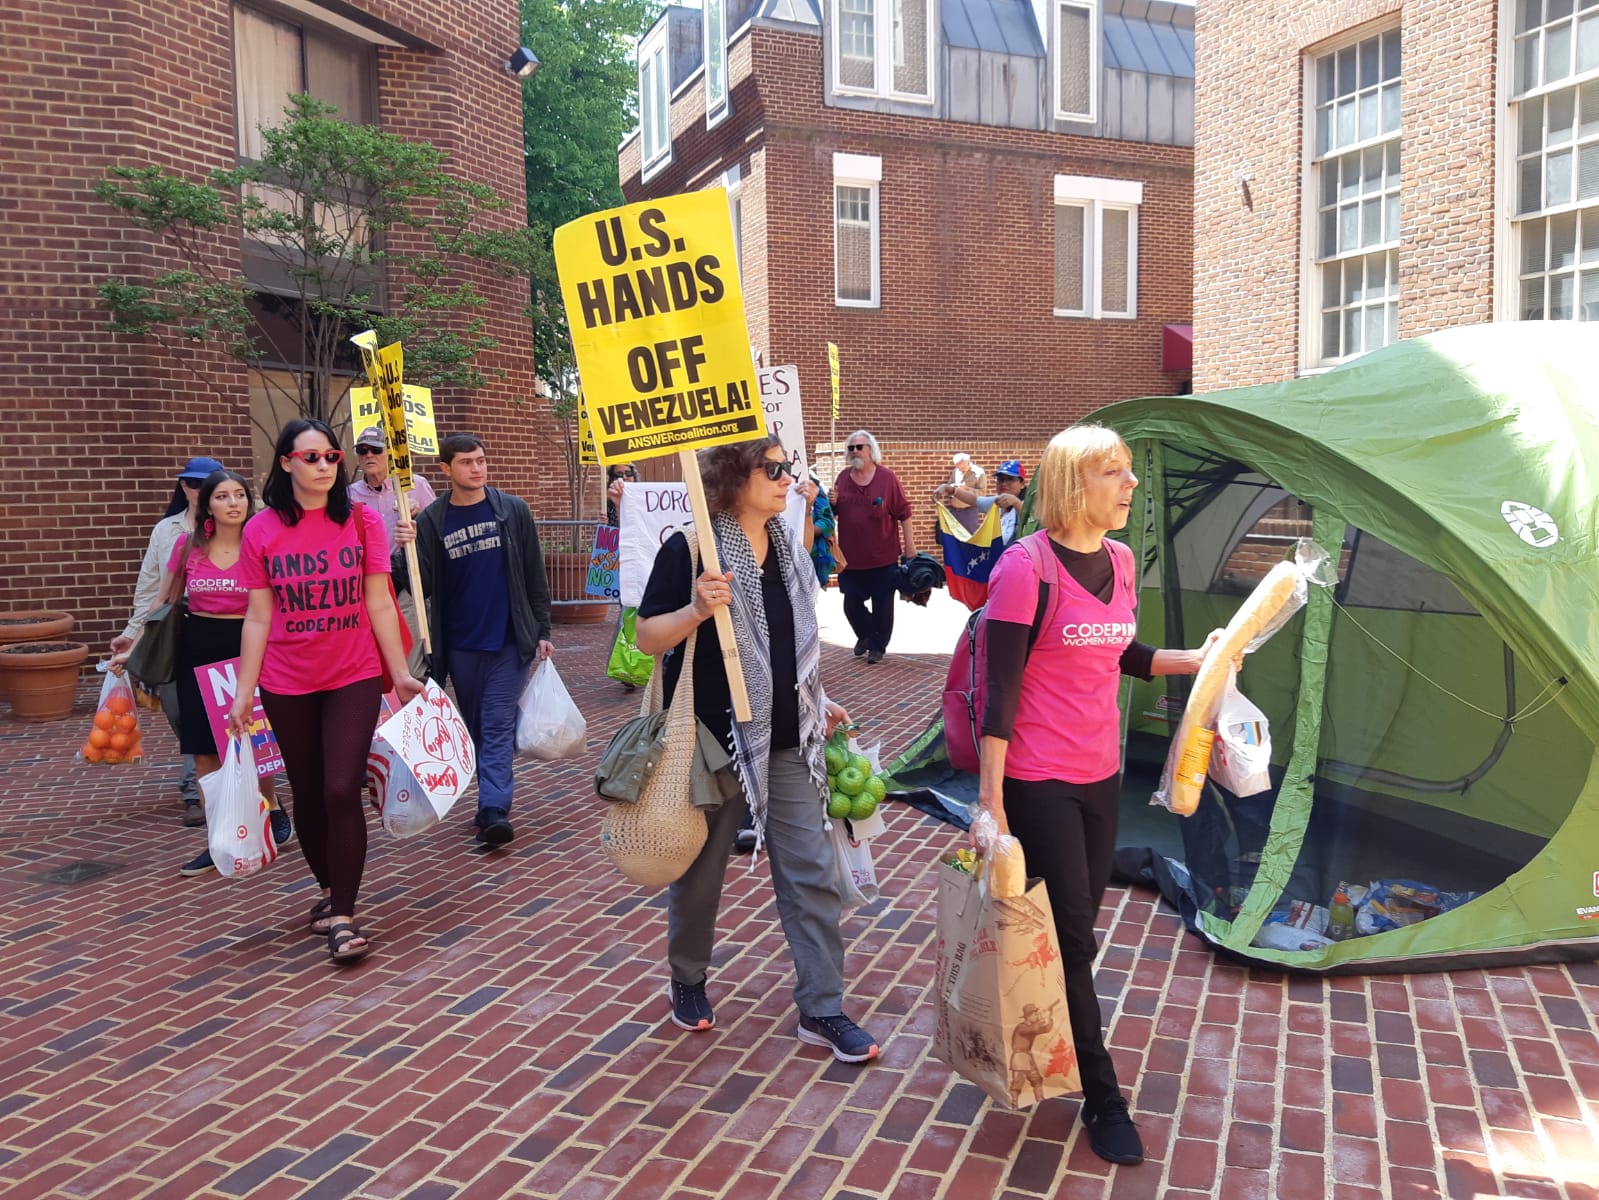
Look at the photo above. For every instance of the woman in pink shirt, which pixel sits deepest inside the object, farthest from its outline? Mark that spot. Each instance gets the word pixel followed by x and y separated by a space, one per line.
pixel 320 627
pixel 1051 748
pixel 204 566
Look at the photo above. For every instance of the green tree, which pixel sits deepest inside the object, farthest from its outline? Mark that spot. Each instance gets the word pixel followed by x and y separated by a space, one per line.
pixel 576 109
pixel 359 228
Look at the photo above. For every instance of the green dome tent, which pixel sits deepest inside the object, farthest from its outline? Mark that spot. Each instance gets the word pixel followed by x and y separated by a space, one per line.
pixel 1435 715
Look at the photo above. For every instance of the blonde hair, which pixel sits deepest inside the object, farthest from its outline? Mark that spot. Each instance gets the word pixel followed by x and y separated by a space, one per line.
pixel 1058 482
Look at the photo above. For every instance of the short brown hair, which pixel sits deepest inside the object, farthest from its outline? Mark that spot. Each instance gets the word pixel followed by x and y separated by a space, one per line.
pixel 726 469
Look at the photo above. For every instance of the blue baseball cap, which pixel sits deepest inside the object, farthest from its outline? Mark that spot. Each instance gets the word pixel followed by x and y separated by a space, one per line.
pixel 1013 468
pixel 199 468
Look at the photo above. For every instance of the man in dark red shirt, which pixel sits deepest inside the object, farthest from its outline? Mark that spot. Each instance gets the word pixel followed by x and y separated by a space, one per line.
pixel 874 528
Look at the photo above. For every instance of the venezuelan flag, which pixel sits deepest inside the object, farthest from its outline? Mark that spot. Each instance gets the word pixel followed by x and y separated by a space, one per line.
pixel 969 555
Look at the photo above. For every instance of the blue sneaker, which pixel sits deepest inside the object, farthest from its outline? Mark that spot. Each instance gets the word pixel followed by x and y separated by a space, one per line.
pixel 201 864
pixel 691 1008
pixel 282 826
pixel 847 1040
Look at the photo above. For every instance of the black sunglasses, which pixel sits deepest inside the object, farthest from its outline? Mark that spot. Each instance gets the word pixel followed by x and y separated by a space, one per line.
pixel 856 446
pixel 369 450
pixel 776 470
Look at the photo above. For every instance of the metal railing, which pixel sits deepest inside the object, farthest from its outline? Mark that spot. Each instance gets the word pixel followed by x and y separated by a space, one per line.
pixel 568 547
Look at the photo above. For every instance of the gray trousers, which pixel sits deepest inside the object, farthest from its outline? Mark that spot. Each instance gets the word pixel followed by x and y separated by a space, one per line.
pixel 188 782
pixel 803 876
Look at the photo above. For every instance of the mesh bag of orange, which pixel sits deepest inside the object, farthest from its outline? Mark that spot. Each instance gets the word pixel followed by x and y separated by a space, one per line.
pixel 114 737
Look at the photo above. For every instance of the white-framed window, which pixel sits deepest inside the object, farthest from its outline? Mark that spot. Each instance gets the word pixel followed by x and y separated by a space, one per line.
pixel 1554 119
pixel 883 48
pixel 1096 246
pixel 715 62
pixel 1076 74
pixel 1352 199
pixel 732 181
pixel 654 102
pixel 857 179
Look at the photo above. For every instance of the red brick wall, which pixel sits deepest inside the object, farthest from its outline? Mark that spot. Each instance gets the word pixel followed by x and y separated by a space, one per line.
pixel 97 426
pixel 965 347
pixel 1249 62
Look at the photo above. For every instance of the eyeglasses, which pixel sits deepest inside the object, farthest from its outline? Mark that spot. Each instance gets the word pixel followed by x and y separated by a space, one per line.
pixel 334 457
pixel 362 450
pixel 776 470
pixel 856 446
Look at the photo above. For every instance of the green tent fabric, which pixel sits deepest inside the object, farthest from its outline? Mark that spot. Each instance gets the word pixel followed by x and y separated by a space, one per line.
pixel 1437 712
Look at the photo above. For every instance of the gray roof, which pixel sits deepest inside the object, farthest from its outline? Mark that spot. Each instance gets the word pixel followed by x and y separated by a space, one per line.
pixel 1001 26
pixel 794 12
pixel 1152 46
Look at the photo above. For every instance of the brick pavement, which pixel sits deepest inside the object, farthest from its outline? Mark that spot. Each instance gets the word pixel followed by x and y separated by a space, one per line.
pixel 177 1038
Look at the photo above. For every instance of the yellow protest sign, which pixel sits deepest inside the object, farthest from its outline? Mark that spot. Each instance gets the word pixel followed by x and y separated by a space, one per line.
pixel 384 368
pixel 586 452
pixel 832 366
pixel 657 318
pixel 366 410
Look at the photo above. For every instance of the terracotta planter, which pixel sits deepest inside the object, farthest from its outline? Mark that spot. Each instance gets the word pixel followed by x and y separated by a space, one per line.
pixel 41 678
pixel 33 625
pixel 567 572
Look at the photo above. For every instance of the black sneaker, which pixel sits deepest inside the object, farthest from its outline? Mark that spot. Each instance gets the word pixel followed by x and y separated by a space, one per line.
pixel 201 864
pixel 691 1009
pixel 876 656
pixel 193 813
pixel 860 648
pixel 744 841
pixel 282 826
pixel 493 829
pixel 1111 1132
pixel 847 1040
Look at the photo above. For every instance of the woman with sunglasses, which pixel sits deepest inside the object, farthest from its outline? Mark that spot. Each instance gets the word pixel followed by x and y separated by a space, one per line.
pixel 319 631
pixel 204 567
pixel 769 588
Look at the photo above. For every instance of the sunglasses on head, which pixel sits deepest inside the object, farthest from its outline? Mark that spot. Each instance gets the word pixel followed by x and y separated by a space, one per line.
pixel 334 457
pixel 776 470
pixel 857 446
pixel 369 450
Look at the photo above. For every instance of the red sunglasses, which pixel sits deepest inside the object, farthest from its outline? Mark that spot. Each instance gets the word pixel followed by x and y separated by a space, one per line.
pixel 334 457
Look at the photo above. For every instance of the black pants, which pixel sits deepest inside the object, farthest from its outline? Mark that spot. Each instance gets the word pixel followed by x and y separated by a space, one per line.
pixel 324 738
pixel 1068 833
pixel 875 585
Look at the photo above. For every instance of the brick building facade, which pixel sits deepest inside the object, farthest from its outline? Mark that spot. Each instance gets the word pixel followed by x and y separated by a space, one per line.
pixel 1366 171
pixel 991 222
pixel 97 426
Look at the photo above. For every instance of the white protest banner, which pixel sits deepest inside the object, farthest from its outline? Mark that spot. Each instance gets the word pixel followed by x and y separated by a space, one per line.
pixel 780 397
pixel 219 684
pixel 650 513
pixel 430 738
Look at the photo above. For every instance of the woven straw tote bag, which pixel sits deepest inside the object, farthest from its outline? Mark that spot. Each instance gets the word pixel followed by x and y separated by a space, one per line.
pixel 655 840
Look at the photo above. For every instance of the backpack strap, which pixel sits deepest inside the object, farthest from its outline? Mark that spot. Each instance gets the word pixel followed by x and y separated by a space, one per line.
pixel 1038 550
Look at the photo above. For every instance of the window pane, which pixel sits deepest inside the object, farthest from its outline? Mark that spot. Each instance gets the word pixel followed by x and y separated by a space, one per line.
pixel 1588 43
pixel 1588 309
pixel 1328 245
pixel 1346 122
pixel 1331 323
pixel 1526 62
pixel 853 242
pixel 1368 115
pixel 1391 218
pixel 1390 108
pixel 1588 172
pixel 1588 110
pixel 1346 71
pixel 1069 243
pixel 1370 54
pixel 1371 221
pixel 1563 241
pixel 1076 60
pixel 1556 10
pixel 1562 294
pixel 1324 79
pixel 1532 247
pixel 267 65
pixel 1590 236
pixel 1557 53
pixel 1529 15
pixel 910 47
pixel 1527 199
pixel 1532 299
pixel 1390 54
pixel 857 43
pixel 1562 116
pixel 1116 228
pixel 1557 179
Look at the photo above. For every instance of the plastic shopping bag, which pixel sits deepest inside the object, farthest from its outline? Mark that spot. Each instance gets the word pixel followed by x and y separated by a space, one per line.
pixel 628 663
pixel 549 725
pixel 1241 754
pixel 114 737
pixel 854 874
pixel 240 832
pixel 401 801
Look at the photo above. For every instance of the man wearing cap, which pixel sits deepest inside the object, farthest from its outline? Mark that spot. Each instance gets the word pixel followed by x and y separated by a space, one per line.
pixel 178 522
pixel 376 488
pixel 1010 484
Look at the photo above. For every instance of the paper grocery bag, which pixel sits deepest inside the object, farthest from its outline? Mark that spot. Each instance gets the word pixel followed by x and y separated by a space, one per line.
pixel 429 737
pixel 1000 992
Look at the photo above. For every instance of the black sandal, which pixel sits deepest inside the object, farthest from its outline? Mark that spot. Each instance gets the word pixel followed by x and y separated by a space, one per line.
pixel 340 935
pixel 321 918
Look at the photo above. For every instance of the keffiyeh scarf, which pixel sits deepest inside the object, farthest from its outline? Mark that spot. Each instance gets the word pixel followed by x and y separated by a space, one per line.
pixel 752 739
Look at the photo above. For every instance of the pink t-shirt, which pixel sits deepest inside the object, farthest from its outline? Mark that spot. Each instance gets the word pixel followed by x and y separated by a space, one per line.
pixel 212 591
pixel 1067 725
pixel 320 638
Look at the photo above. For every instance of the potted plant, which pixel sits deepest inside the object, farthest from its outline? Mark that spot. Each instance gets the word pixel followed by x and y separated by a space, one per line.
pixel 41 678
pixel 31 625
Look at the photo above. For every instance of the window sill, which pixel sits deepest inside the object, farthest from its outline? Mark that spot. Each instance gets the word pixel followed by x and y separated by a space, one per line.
pixel 843 93
pixel 650 170
pixel 838 303
pixel 1066 315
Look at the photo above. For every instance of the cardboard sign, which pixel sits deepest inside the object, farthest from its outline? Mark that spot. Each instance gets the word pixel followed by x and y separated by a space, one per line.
pixel 656 312
pixel 587 455
pixel 650 513
pixel 603 562
pixel 219 687
pixel 384 368
pixel 421 433
pixel 832 368
pixel 430 738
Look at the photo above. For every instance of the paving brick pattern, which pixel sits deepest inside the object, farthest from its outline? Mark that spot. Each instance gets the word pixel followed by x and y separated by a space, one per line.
pixel 165 1037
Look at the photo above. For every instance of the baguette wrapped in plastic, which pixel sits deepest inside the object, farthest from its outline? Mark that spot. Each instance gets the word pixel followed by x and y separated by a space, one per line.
pixel 1004 865
pixel 1278 595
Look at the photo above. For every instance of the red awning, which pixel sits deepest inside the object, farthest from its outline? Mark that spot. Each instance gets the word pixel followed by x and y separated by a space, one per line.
pixel 1177 348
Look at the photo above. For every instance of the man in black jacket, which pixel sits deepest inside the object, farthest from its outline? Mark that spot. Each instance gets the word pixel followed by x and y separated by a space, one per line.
pixel 488 606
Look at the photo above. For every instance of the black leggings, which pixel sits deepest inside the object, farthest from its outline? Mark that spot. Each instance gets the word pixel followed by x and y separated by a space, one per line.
pixel 324 738
pixel 1068 834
